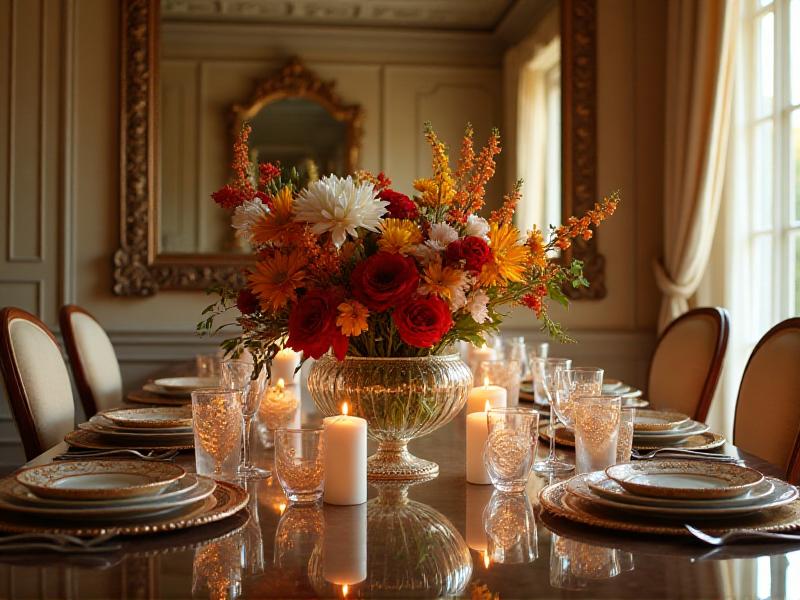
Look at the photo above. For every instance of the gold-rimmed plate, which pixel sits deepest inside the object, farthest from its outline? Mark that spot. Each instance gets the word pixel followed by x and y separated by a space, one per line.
pixel 99 479
pixel 91 440
pixel 658 420
pixel 227 500
pixel 685 478
pixel 157 417
pixel 100 423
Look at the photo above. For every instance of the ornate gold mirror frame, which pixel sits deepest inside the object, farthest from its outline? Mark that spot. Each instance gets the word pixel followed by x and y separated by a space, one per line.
pixel 140 270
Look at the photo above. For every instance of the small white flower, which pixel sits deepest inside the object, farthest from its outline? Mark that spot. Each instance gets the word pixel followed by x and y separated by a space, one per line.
pixel 340 206
pixel 477 226
pixel 246 215
pixel 425 254
pixel 440 235
pixel 476 306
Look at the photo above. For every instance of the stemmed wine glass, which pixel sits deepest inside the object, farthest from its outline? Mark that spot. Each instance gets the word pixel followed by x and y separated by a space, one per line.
pixel 544 374
pixel 241 375
pixel 572 383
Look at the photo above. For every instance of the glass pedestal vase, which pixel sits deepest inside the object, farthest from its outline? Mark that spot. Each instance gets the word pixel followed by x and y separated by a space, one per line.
pixel 400 398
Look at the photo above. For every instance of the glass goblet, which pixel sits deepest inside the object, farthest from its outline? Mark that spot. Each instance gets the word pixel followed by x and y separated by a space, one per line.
pixel 241 375
pixel 544 373
pixel 572 383
pixel 510 448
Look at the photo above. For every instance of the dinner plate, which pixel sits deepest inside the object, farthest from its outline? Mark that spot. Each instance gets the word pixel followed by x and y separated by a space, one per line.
pixel 155 389
pixel 634 402
pixel 600 484
pixel 782 494
pixel 634 393
pixel 685 478
pixel 125 437
pixel 98 479
pixel 701 441
pixel 154 399
pixel 20 494
pixel 91 440
pixel 658 420
pixel 151 418
pixel 147 507
pixel 687 429
pixel 614 386
pixel 186 384
pixel 100 422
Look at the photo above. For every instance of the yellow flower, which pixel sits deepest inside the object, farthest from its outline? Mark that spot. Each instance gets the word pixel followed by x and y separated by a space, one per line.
pixel 352 319
pixel 446 282
pixel 438 190
pixel 275 280
pixel 509 257
pixel 399 236
pixel 537 248
pixel 278 222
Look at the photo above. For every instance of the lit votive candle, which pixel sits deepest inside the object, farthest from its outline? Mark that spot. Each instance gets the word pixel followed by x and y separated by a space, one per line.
pixel 344 544
pixel 279 405
pixel 284 365
pixel 477 433
pixel 489 395
pixel 345 459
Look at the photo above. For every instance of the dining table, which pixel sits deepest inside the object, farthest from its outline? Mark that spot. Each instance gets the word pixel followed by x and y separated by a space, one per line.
pixel 427 539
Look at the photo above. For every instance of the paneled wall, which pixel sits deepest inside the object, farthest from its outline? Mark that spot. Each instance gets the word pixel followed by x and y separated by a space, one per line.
pixel 59 102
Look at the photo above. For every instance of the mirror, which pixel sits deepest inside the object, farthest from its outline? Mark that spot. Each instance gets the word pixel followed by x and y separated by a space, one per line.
pixel 193 72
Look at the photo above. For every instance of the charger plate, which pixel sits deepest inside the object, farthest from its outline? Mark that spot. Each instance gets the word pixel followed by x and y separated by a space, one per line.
pixel 227 500
pixel 701 441
pixel 80 438
pixel 556 500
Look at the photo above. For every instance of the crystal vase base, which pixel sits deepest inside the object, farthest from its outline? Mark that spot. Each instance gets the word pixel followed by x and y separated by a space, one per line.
pixel 393 462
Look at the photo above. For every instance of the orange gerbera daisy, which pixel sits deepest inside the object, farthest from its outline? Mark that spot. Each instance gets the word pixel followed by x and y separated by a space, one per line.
pixel 509 257
pixel 352 319
pixel 275 280
pixel 274 226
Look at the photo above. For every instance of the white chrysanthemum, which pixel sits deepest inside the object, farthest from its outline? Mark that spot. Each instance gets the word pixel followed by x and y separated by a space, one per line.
pixel 246 215
pixel 440 235
pixel 340 206
pixel 477 226
pixel 425 254
pixel 476 306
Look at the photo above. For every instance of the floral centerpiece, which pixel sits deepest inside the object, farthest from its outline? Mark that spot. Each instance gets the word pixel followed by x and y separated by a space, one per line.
pixel 348 268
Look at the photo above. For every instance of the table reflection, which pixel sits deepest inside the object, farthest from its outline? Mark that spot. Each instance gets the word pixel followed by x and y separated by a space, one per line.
pixel 577 565
pixel 510 527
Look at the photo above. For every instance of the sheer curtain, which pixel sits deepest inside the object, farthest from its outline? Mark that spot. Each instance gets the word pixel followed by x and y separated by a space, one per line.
pixel 700 72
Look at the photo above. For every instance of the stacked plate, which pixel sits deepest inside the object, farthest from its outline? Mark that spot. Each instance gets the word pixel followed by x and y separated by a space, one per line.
pixel 153 427
pixel 631 396
pixel 661 429
pixel 116 491
pixel 681 489
pixel 171 391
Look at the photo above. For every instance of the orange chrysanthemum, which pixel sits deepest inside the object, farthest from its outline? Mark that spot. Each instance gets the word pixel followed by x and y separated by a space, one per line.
pixel 352 318
pixel 399 236
pixel 276 279
pixel 275 226
pixel 510 258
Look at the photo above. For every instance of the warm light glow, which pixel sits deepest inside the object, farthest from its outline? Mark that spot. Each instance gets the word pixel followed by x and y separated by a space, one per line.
pixel 345 587
pixel 487 406
pixel 485 381
pixel 486 560
pixel 344 408
pixel 281 383
pixel 282 507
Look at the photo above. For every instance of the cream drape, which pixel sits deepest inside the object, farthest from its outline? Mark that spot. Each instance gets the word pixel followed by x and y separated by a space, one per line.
pixel 701 40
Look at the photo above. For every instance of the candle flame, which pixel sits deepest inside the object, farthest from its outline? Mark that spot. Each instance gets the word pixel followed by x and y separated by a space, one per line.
pixel 487 406
pixel 345 589
pixel 486 560
pixel 344 408
pixel 281 382
pixel 485 381
pixel 282 507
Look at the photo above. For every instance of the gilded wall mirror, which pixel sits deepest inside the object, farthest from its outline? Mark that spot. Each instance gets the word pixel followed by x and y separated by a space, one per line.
pixel 191 73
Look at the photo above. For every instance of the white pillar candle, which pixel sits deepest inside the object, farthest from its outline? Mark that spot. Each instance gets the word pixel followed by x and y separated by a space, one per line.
pixel 478 497
pixel 477 432
pixel 485 395
pixel 344 545
pixel 284 365
pixel 345 459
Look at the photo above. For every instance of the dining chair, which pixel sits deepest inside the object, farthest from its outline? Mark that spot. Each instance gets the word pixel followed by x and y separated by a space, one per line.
pixel 767 420
pixel 92 358
pixel 687 361
pixel 37 381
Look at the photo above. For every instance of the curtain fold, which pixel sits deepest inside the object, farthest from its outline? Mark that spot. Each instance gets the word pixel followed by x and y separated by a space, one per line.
pixel 701 40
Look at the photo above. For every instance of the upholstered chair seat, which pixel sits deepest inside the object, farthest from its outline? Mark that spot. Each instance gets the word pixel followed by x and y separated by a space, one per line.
pixel 93 360
pixel 37 381
pixel 686 364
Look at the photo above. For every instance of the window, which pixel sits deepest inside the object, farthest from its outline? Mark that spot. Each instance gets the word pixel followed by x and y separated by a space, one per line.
pixel 771 69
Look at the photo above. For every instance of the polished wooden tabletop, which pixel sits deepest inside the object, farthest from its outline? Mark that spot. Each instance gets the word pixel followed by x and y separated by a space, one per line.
pixel 423 541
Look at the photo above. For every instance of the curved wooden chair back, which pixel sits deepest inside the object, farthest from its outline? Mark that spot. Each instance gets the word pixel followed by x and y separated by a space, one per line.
pixel 767 421
pixel 687 362
pixel 93 360
pixel 37 381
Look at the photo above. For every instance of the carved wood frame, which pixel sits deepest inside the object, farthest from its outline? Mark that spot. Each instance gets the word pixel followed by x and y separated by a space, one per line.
pixel 139 270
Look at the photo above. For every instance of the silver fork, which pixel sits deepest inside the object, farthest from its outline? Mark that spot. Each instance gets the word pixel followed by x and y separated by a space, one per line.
pixel 682 452
pixel 733 536
pixel 152 455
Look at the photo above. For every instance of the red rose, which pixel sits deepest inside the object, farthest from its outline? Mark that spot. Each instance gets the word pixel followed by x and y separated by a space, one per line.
pixel 247 302
pixel 400 205
pixel 476 252
pixel 312 324
pixel 423 321
pixel 384 280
